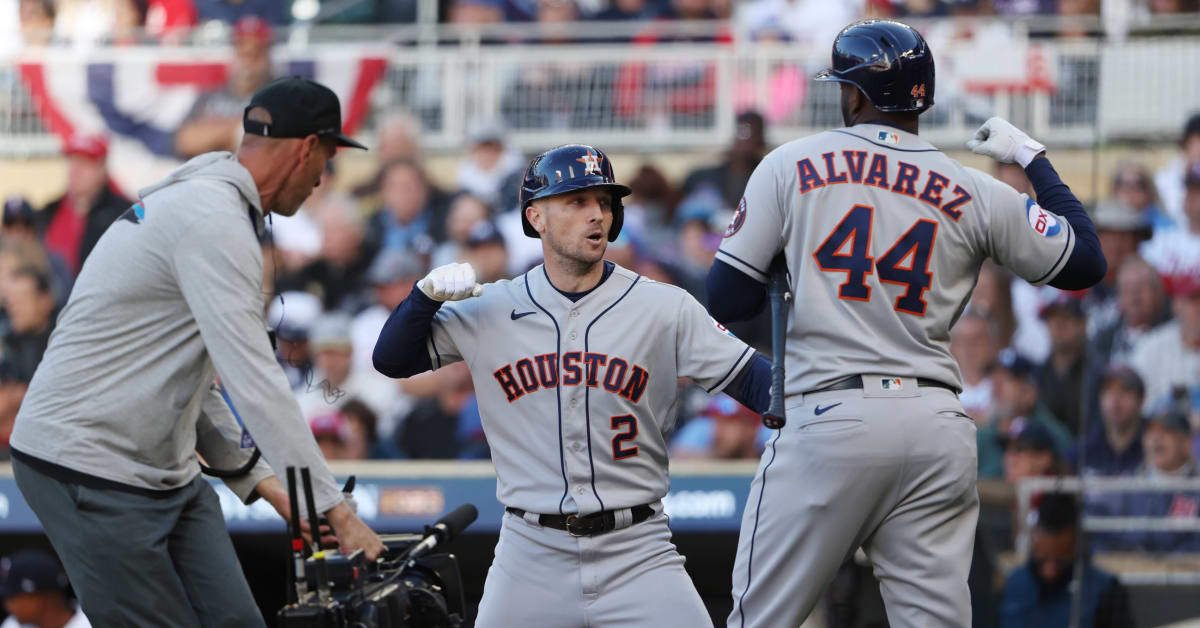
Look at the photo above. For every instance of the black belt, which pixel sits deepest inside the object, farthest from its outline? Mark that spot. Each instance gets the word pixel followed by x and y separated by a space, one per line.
pixel 856 383
pixel 587 525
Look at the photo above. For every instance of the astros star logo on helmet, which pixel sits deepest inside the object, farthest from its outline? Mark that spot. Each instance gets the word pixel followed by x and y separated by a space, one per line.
pixel 591 163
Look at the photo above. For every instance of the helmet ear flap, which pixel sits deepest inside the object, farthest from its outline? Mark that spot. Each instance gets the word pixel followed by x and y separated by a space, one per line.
pixel 618 218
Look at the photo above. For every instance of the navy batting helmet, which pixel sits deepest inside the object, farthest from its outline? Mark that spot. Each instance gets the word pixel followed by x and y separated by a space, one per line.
pixel 888 61
pixel 567 169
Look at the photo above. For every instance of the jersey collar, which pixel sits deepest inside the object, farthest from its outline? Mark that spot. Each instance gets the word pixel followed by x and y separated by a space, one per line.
pixel 887 136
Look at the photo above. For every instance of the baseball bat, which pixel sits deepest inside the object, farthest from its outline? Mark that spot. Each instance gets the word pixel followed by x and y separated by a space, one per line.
pixel 779 295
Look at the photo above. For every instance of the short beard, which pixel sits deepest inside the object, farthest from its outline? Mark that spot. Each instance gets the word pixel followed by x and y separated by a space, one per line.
pixel 571 261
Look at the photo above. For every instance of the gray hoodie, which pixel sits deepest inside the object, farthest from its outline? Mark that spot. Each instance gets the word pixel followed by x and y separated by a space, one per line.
pixel 170 297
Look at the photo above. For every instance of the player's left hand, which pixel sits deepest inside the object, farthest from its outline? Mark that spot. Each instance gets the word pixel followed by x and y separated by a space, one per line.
pixel 1002 141
pixel 452 282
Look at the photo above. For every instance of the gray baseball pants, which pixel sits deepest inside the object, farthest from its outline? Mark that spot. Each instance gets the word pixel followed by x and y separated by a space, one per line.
pixel 628 578
pixel 138 560
pixel 890 469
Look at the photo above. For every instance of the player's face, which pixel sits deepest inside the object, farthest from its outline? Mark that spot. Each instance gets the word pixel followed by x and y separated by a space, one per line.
pixel 575 225
pixel 312 155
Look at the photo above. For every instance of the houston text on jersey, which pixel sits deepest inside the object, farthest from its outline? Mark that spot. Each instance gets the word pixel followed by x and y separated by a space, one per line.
pixel 620 377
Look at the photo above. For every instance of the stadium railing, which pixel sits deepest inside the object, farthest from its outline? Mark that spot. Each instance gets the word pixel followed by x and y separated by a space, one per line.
pixel 681 96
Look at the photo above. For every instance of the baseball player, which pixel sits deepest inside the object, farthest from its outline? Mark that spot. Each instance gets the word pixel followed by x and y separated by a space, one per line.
pixel 884 236
pixel 575 365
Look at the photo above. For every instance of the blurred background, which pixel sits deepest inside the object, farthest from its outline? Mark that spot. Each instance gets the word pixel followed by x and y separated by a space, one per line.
pixel 1087 403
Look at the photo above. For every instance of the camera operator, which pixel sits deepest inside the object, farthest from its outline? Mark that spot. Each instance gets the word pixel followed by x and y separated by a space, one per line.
pixel 105 444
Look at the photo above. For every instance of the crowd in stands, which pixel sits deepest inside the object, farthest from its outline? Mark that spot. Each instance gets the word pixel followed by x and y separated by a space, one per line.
pixel 87 22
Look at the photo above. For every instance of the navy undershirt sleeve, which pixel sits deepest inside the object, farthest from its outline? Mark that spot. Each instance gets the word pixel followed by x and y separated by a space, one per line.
pixel 1086 266
pixel 733 295
pixel 751 387
pixel 400 350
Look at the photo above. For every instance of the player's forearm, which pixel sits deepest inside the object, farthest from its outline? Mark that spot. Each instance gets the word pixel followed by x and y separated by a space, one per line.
pixel 751 387
pixel 1086 266
pixel 400 350
pixel 732 295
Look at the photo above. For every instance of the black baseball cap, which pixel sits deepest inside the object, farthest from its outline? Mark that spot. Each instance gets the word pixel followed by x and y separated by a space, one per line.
pixel 299 108
pixel 31 571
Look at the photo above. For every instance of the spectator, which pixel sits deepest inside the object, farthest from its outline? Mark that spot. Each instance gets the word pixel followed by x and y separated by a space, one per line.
pixel 974 344
pixel 697 237
pixel 30 308
pixel 215 121
pixel 813 22
pixel 488 163
pixel 1065 379
pixel 336 276
pixel 1169 355
pixel 730 176
pixel 1121 230
pixel 1167 442
pixel 12 393
pixel 235 11
pixel 486 252
pixel 1177 251
pixel 649 211
pixel 337 378
pixel 992 299
pixel 71 225
pixel 477 12
pixel 362 434
pixel 292 315
pixel 431 429
pixel 1133 185
pixel 19 225
pixel 410 218
pixel 37 22
pixel 1015 405
pixel 330 431
pixel 723 430
pixel 622 10
pixel 392 276
pixel 35 592
pixel 1141 305
pixel 1038 594
pixel 1170 179
pixel 1030 454
pixel 466 210
pixel 398 135
pixel 1114 443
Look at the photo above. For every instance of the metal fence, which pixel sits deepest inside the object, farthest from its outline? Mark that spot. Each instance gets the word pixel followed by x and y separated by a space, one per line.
pixel 686 95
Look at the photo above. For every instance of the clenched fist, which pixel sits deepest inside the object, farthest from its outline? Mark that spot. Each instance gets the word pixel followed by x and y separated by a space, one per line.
pixel 452 282
pixel 1002 141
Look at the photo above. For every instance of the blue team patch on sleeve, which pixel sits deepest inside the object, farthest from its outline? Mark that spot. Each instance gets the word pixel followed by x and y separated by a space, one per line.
pixel 1041 221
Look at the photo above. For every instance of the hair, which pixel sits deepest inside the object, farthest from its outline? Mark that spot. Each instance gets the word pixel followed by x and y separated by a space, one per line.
pixel 1057 513
pixel 357 410
pixel 41 281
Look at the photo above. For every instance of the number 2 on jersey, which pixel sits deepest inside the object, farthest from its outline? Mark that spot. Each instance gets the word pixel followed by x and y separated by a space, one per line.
pixel 857 263
pixel 629 423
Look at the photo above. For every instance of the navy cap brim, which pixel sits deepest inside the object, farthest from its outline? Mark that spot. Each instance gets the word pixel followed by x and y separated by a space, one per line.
pixel 345 140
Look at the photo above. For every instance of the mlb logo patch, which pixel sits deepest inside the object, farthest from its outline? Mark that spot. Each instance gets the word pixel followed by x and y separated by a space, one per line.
pixel 247 441
pixel 887 137
pixel 891 383
pixel 1042 221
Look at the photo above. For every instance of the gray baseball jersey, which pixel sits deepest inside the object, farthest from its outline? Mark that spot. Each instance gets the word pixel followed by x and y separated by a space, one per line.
pixel 884 236
pixel 575 396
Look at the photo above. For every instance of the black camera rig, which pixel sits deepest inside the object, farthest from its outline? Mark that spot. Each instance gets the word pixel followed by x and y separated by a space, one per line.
pixel 406 586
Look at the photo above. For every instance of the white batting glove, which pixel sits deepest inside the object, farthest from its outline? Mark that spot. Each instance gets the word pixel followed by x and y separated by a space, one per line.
pixel 1005 143
pixel 452 282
